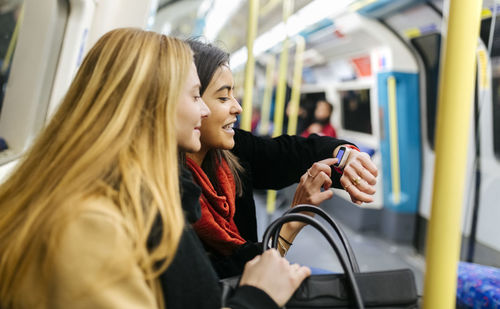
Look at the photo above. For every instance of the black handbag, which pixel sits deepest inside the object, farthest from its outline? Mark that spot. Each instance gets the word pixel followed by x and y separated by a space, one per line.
pixel 352 289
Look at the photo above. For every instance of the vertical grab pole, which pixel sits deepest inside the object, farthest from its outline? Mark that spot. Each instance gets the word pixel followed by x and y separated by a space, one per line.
pixel 393 133
pixel 300 45
pixel 279 106
pixel 246 115
pixel 13 41
pixel 266 100
pixel 456 90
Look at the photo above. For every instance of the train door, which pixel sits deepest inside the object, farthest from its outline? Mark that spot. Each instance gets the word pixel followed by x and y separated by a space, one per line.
pixel 420 27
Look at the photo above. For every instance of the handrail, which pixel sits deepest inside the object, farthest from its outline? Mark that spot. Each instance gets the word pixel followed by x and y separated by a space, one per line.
pixel 456 91
pixel 394 141
pixel 279 106
pixel 266 100
pixel 300 45
pixel 253 18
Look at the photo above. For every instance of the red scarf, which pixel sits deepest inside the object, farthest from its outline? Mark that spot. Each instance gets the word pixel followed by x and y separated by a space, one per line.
pixel 216 227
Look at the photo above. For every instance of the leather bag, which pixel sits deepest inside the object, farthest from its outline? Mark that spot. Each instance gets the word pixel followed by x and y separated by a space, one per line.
pixel 351 289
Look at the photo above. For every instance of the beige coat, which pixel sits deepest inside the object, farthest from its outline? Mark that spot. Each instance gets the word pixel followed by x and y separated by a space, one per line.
pixel 94 266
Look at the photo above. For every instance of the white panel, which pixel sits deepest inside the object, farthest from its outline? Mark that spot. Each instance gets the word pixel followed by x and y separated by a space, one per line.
pixel 6 169
pixel 111 14
pixel 75 39
pixel 488 227
pixel 32 73
pixel 416 21
pixel 399 57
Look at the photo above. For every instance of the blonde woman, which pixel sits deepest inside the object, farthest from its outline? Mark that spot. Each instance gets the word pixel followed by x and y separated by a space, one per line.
pixel 77 215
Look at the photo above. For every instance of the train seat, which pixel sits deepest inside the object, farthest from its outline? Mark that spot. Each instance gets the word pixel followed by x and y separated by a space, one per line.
pixel 478 286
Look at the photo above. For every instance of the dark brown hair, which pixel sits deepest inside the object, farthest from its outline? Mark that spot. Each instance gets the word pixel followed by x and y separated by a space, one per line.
pixel 208 59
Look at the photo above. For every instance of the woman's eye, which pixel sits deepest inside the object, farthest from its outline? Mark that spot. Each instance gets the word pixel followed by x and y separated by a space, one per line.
pixel 224 99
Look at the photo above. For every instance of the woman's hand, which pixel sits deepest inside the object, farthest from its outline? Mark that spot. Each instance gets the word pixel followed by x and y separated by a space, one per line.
pixel 308 192
pixel 309 189
pixel 274 275
pixel 359 177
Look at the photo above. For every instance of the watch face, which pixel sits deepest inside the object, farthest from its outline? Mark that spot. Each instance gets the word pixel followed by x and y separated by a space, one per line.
pixel 340 154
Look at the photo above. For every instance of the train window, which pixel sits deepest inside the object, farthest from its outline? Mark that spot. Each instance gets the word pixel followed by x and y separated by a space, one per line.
pixel 356 111
pixel 429 48
pixel 31 39
pixel 11 17
pixel 308 104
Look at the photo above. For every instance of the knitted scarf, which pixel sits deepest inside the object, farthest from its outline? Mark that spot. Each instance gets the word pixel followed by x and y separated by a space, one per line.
pixel 216 227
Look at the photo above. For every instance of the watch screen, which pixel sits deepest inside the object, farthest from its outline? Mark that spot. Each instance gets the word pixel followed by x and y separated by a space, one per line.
pixel 340 154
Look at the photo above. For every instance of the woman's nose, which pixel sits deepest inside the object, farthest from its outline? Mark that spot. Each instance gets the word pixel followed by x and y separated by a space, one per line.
pixel 236 107
pixel 205 111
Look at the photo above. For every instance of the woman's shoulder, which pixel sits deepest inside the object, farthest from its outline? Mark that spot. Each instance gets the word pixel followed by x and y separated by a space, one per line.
pixel 94 232
pixel 96 258
pixel 97 226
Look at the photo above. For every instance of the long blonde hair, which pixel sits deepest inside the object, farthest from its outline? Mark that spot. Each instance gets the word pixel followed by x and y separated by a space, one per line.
pixel 113 135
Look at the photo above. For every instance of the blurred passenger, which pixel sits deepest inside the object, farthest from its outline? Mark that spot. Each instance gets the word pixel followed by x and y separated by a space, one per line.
pixel 321 124
pixel 232 162
pixel 76 216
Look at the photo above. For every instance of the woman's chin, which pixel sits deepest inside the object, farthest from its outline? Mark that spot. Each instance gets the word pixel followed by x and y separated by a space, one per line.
pixel 192 147
pixel 229 145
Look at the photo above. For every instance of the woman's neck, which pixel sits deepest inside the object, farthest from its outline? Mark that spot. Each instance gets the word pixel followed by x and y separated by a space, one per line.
pixel 199 156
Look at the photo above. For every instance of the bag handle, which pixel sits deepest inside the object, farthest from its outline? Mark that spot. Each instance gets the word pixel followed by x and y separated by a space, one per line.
pixel 276 226
pixel 333 224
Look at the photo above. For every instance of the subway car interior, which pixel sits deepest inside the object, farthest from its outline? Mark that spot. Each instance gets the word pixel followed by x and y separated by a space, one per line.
pixel 379 63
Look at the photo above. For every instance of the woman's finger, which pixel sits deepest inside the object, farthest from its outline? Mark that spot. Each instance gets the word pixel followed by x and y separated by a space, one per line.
pixel 321 166
pixel 362 172
pixel 367 163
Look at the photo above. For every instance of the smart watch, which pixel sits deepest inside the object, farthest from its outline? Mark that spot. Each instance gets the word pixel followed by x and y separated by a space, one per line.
pixel 342 156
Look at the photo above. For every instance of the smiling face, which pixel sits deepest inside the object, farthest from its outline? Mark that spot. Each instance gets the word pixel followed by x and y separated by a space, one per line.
pixel 217 130
pixel 190 111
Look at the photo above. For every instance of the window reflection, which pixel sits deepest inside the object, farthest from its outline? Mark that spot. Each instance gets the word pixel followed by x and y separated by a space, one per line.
pixel 11 15
pixel 356 114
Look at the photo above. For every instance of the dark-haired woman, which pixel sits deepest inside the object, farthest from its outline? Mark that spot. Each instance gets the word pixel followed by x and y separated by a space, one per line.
pixel 232 162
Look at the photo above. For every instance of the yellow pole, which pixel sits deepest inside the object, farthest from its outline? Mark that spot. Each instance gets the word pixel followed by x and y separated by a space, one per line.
pixel 456 91
pixel 266 100
pixel 393 133
pixel 246 114
pixel 279 106
pixel 297 82
pixel 13 41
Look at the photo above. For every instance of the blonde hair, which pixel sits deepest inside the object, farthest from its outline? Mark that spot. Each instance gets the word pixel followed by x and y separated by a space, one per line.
pixel 113 135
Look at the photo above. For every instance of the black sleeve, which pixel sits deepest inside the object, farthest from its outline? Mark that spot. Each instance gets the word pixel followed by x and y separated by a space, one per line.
pixel 234 264
pixel 279 162
pixel 249 297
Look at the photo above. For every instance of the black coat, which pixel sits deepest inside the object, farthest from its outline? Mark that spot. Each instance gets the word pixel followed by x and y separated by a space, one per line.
pixel 190 281
pixel 269 163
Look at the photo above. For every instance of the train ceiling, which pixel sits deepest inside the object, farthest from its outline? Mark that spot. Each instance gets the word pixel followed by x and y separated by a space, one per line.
pixel 187 18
